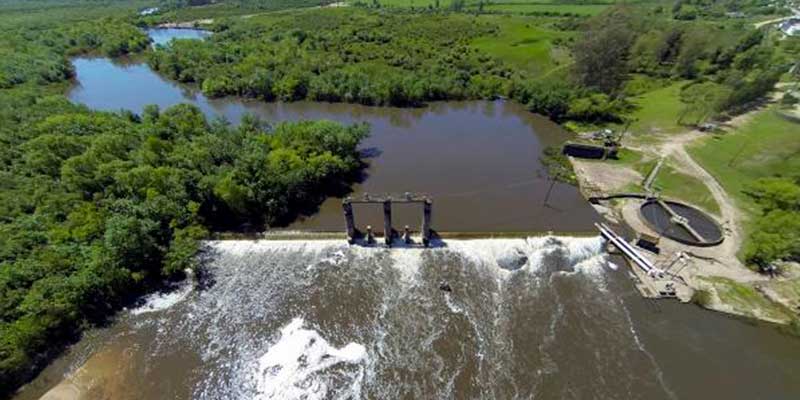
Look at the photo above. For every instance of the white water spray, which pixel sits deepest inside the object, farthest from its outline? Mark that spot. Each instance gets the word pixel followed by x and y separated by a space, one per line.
pixel 300 366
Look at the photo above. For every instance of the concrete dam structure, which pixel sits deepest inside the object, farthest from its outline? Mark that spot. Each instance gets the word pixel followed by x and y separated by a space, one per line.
pixel 389 233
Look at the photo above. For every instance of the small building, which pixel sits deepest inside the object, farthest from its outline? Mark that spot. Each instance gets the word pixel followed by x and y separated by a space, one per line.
pixel 588 150
pixel 149 11
pixel 708 127
pixel 791 26
pixel 648 242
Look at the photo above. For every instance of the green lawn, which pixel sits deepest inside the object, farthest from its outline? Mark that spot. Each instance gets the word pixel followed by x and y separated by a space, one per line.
pixel 657 111
pixel 627 157
pixel 406 3
pixel 504 5
pixel 674 184
pixel 524 44
pixel 578 9
pixel 768 145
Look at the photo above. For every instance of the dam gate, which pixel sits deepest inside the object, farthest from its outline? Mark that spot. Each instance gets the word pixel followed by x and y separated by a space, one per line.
pixel 389 233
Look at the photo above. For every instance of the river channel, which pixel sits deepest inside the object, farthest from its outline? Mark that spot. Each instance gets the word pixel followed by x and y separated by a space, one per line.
pixel 479 161
pixel 547 317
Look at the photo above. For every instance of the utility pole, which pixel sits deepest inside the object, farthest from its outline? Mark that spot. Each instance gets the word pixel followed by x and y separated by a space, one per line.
pixel 549 190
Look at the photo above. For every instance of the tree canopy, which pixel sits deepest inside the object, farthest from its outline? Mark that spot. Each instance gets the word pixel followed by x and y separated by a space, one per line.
pixel 96 208
pixel 775 236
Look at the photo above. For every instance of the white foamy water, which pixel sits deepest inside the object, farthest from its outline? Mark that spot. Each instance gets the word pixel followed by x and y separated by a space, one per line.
pixel 407 262
pixel 325 320
pixel 374 318
pixel 488 251
pixel 249 247
pixel 299 366
pixel 592 266
pixel 584 254
pixel 479 251
pixel 162 301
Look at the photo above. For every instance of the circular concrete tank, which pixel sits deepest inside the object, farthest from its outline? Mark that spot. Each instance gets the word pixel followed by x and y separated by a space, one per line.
pixel 681 223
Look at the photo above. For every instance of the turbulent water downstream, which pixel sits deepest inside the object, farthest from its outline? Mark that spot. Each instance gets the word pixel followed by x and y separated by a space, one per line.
pixel 546 317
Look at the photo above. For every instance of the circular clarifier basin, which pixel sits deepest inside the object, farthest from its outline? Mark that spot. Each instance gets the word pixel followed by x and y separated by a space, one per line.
pixel 681 223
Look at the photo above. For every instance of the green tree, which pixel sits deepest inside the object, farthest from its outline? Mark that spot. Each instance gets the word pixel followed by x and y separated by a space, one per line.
pixel 601 53
pixel 702 101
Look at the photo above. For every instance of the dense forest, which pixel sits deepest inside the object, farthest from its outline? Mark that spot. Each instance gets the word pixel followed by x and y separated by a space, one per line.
pixel 97 207
pixel 402 58
pixel 391 58
pixel 775 236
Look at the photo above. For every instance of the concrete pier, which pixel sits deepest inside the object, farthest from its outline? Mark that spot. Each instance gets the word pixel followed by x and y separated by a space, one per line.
pixel 370 237
pixel 349 220
pixel 388 234
pixel 427 207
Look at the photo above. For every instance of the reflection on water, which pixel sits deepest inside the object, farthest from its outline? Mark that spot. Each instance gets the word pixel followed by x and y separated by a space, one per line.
pixel 539 318
pixel 478 160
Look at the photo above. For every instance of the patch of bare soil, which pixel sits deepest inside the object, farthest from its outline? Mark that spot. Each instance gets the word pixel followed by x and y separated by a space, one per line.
pixel 603 178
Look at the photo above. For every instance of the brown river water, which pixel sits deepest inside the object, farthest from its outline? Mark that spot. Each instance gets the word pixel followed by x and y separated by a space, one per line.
pixel 547 317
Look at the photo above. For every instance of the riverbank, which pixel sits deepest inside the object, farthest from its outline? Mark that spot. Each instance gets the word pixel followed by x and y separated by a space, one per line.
pixel 497 319
pixel 714 277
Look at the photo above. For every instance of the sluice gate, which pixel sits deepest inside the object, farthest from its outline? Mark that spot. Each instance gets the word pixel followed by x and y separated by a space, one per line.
pixel 389 233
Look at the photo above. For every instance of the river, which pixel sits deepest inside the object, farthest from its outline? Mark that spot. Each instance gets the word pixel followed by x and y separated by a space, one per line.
pixel 544 317
pixel 479 161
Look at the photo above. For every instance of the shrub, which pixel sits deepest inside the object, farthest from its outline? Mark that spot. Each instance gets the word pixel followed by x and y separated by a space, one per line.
pixel 702 298
pixel 594 108
pixel 789 100
pixel 792 328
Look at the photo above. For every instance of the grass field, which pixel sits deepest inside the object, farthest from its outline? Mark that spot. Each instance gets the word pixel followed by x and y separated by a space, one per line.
pixel 221 10
pixel 670 182
pixel 627 157
pixel 538 7
pixel 673 184
pixel 523 43
pixel 657 111
pixel 505 6
pixel 768 145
